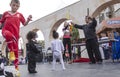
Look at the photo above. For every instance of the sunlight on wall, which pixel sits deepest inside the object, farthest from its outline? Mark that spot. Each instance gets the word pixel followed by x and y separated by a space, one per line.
pixel 59 30
pixel 20 43
pixel 40 35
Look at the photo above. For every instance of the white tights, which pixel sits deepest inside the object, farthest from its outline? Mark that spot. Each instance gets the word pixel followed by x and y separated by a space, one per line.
pixel 55 57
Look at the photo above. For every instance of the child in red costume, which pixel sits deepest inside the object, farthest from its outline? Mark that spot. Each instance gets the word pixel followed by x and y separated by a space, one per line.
pixel 10 31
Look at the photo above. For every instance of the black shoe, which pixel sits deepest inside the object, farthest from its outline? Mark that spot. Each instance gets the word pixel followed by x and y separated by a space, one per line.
pixel 70 62
pixel 92 62
pixel 32 71
pixel 99 62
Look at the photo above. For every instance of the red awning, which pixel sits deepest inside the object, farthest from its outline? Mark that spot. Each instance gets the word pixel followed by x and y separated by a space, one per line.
pixel 109 24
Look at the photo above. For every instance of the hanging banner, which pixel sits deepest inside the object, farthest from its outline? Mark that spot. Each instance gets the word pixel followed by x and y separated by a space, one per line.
pixel 109 24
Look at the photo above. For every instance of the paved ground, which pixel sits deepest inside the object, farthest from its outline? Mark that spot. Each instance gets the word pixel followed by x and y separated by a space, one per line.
pixel 107 69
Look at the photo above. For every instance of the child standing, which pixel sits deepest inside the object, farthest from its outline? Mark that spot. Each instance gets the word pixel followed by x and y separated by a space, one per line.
pixel 57 49
pixel 10 31
pixel 32 51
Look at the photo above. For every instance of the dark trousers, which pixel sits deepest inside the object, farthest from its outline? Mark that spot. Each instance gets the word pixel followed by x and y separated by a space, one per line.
pixel 31 62
pixel 67 41
pixel 106 53
pixel 93 50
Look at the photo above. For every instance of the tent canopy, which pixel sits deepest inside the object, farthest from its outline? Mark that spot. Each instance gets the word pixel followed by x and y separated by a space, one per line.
pixel 113 23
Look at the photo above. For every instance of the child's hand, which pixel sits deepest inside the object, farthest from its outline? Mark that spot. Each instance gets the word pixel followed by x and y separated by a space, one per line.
pixel 30 18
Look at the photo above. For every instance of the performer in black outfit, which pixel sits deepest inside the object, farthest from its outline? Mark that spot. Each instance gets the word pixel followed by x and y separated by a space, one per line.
pixel 32 52
pixel 91 39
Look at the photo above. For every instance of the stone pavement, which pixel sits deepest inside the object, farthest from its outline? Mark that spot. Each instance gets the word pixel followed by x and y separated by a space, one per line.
pixel 107 69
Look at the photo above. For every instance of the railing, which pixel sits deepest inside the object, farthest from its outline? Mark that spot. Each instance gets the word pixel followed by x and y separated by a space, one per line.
pixel 100 42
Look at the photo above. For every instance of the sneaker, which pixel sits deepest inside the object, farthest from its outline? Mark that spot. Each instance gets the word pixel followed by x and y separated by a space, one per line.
pixel 11 56
pixel 53 69
pixel 34 72
pixel 17 68
pixel 70 62
pixel 17 74
pixel 64 69
pixel 99 62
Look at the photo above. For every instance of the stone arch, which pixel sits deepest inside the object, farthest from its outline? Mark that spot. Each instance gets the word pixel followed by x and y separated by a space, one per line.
pixel 24 46
pixel 25 40
pixel 35 30
pixel 104 6
pixel 56 25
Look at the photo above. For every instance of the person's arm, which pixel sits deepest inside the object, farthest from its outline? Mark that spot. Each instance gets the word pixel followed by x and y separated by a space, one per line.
pixel 35 47
pixel 25 22
pixel 65 27
pixel 77 26
pixel 28 20
pixel 94 23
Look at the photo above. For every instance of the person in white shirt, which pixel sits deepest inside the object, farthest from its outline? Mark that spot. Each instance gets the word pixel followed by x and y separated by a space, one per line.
pixel 105 46
pixel 101 48
pixel 57 49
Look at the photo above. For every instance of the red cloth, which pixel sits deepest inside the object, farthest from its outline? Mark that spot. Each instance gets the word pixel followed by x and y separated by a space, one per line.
pixel 12 22
pixel 10 31
pixel 82 60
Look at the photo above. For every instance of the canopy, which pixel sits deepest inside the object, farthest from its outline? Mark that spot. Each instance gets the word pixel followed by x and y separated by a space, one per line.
pixel 109 24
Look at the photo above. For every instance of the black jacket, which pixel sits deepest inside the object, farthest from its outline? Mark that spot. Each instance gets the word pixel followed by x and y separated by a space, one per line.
pixel 89 29
pixel 31 47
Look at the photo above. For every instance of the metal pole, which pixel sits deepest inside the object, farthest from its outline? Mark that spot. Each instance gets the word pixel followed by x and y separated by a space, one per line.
pixel 87 11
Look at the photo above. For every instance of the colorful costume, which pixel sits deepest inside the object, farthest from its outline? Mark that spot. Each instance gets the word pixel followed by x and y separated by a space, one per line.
pixel 10 31
pixel 67 41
